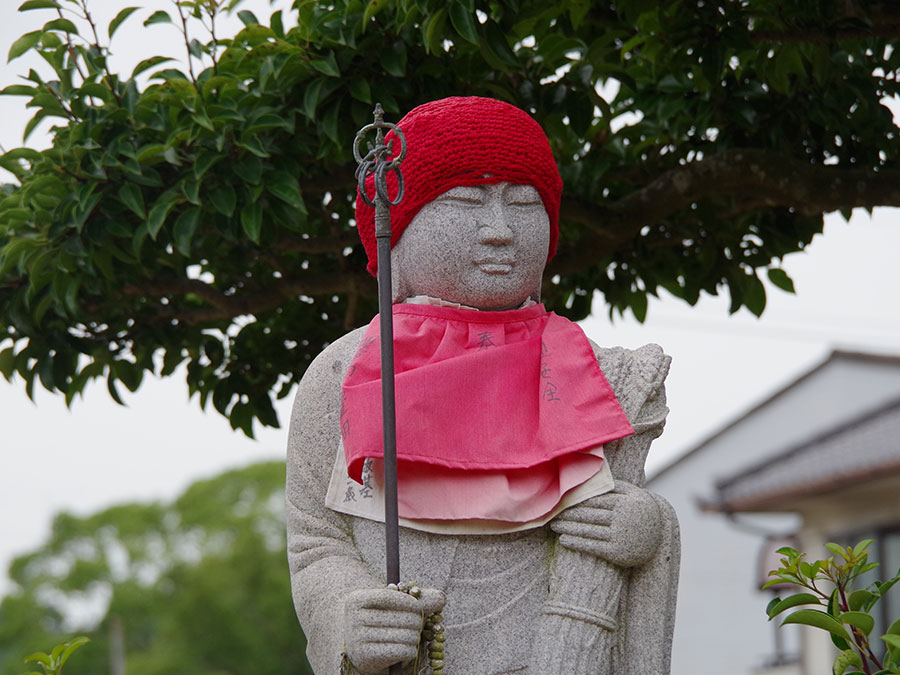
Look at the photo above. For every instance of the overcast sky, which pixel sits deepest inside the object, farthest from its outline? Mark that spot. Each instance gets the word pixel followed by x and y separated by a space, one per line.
pixel 99 453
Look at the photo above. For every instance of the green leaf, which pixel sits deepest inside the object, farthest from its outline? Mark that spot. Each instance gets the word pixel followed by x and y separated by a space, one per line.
pixel 393 60
pixel 330 121
pixel 463 22
pixel 862 547
pixel 311 98
pixel 893 645
pixel 18 90
pixel 252 143
pixel 372 8
pixel 837 549
pixel 23 44
pixel 7 362
pixel 191 190
pixel 818 619
pixel 840 643
pixel 859 599
pixel 159 16
pixel 248 18
pixel 844 660
pixel 865 622
pixel 148 152
pixel 38 4
pixel 39 657
pixel 277 23
pixel 894 629
pixel 195 47
pixel 754 294
pixel 70 647
pixel 639 305
pixel 157 217
pixel 359 89
pixel 205 160
pixel 327 66
pixel 224 200
pixel 780 279
pixel 792 601
pixel 495 47
pixel 54 654
pixel 203 121
pixel 120 17
pixel 184 229
pixel 286 187
pixel 63 25
pixel 97 90
pixel 251 221
pixel 433 32
pixel 29 154
pixel 131 96
pixel 864 568
pixel 250 169
pixel 132 196
pixel 111 387
pixel 148 63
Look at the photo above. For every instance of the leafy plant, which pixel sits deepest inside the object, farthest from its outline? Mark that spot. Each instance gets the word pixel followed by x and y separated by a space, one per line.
pixel 148 570
pixel 53 662
pixel 847 614
pixel 201 212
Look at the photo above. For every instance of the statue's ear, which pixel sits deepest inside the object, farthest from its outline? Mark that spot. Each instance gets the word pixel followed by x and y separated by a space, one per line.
pixel 399 286
pixel 536 293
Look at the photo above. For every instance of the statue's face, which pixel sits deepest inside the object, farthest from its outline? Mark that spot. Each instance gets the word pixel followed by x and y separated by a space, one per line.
pixel 482 246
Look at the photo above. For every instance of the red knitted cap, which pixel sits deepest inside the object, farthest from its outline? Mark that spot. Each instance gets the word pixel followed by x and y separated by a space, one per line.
pixel 464 141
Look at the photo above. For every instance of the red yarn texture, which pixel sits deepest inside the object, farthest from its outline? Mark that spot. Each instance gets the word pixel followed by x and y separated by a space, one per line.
pixel 464 141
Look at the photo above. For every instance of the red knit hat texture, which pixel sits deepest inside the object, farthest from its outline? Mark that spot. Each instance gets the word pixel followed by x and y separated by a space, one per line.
pixel 464 141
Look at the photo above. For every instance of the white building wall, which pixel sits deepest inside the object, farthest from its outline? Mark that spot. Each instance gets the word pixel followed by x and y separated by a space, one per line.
pixel 721 623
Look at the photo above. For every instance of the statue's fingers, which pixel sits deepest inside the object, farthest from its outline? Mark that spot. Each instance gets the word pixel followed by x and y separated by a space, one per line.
pixel 593 515
pixel 387 599
pixel 380 654
pixel 432 600
pixel 583 544
pixel 589 532
pixel 402 641
pixel 400 621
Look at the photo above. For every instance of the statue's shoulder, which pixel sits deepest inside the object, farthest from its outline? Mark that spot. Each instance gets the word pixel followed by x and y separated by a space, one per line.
pixel 649 363
pixel 331 365
pixel 635 375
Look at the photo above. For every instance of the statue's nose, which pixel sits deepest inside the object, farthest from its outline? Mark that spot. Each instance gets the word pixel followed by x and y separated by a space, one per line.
pixel 494 230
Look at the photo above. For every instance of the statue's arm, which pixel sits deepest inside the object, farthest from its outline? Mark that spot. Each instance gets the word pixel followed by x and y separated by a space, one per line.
pixel 325 565
pixel 615 548
pixel 624 527
pixel 647 607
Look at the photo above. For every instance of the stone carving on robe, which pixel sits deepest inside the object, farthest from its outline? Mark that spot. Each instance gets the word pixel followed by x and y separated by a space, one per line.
pixel 521 444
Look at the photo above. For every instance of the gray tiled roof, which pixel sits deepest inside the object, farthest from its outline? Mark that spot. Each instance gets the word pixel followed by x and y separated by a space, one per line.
pixel 867 447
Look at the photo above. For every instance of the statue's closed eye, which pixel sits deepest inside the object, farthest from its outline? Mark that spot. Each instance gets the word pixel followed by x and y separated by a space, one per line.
pixel 471 195
pixel 462 199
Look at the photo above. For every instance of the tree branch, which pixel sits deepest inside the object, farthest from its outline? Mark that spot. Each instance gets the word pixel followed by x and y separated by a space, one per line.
pixel 824 35
pixel 224 306
pixel 313 245
pixel 747 178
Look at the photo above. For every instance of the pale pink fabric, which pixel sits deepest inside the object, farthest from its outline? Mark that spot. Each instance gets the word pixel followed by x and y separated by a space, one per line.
pixel 499 414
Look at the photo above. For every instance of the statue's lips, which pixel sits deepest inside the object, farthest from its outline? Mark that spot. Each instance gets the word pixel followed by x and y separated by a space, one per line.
pixel 490 266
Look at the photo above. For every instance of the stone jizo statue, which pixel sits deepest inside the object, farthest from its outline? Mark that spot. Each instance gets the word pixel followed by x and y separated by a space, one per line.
pixel 521 444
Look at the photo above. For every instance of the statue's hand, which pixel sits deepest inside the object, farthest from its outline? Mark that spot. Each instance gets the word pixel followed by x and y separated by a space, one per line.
pixel 623 527
pixel 382 626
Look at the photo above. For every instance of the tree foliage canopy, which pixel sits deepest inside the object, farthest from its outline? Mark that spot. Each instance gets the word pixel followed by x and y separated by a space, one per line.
pixel 205 214
pixel 199 585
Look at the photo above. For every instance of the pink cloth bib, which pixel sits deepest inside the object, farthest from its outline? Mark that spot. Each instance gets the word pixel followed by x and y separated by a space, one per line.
pixel 499 414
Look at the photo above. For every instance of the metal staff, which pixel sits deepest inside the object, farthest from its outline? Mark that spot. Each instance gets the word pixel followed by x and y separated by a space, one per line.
pixel 379 162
